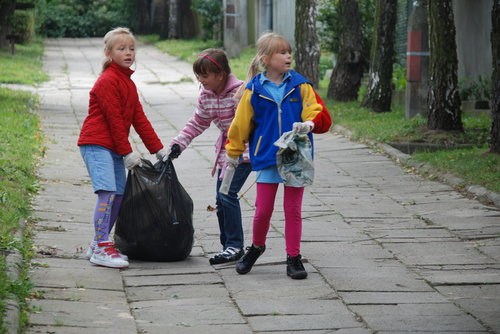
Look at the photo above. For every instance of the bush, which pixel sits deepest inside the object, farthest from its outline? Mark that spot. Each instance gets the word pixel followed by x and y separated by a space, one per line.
pixel 211 17
pixel 83 18
pixel 23 24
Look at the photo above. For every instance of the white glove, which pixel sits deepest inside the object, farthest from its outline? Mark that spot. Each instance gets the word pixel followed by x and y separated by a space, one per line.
pixel 232 161
pixel 162 155
pixel 303 128
pixel 132 160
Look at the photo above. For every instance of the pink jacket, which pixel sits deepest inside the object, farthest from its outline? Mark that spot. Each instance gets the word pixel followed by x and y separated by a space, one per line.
pixel 218 109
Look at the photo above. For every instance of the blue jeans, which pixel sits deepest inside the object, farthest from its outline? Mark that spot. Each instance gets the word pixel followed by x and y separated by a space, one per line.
pixel 228 209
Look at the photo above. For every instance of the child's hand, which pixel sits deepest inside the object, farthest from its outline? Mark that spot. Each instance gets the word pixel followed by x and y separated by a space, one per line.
pixel 232 161
pixel 174 152
pixel 303 128
pixel 132 160
pixel 162 155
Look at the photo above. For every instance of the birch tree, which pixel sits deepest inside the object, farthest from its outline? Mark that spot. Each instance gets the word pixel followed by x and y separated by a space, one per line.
pixel 346 76
pixel 444 100
pixel 173 22
pixel 306 40
pixel 379 90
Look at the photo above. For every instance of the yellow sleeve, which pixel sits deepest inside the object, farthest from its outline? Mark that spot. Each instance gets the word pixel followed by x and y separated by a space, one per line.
pixel 310 106
pixel 241 126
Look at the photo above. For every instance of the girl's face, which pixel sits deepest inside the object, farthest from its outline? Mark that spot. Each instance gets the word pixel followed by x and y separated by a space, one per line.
pixel 212 81
pixel 279 62
pixel 123 52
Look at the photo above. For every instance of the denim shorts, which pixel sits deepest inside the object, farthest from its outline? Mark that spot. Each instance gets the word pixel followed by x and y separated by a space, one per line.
pixel 106 168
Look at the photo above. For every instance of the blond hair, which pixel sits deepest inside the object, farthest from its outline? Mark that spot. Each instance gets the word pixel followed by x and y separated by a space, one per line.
pixel 110 39
pixel 267 45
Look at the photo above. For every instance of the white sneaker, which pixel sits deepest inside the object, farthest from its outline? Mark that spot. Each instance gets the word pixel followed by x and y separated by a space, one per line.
pixel 105 254
pixel 93 245
pixel 90 249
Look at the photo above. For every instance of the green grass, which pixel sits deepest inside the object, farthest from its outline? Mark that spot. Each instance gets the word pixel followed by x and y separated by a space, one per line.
pixel 23 67
pixel 473 165
pixel 186 50
pixel 21 145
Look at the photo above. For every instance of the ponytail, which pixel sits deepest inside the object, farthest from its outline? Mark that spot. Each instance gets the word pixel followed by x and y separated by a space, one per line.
pixel 253 70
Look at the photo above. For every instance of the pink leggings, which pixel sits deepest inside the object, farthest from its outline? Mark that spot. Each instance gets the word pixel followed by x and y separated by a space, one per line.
pixel 292 205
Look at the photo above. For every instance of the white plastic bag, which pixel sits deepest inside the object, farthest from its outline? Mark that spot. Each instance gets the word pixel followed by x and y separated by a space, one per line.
pixel 294 159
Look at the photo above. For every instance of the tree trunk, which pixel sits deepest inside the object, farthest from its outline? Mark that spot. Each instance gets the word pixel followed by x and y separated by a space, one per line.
pixel 347 74
pixel 145 21
pixel 162 19
pixel 7 8
pixel 444 101
pixel 306 40
pixel 495 79
pixel 173 22
pixel 379 90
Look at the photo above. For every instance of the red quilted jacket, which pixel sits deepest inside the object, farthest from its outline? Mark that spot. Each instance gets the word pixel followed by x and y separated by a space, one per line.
pixel 114 106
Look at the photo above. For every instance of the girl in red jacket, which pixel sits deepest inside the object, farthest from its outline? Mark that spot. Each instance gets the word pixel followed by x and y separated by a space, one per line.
pixel 113 107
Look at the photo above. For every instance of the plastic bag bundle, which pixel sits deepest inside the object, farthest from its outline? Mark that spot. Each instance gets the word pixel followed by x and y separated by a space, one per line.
pixel 294 159
pixel 155 222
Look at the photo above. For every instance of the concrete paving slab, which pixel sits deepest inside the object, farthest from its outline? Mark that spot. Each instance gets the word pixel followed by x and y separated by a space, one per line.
pixel 113 316
pixel 383 278
pixel 291 305
pixel 160 280
pixel 82 295
pixel 166 292
pixel 438 253
pixel 71 330
pixel 195 329
pixel 324 331
pixel 87 276
pixel 186 312
pixel 461 275
pixel 482 300
pixel 391 298
pixel 417 317
pixel 294 323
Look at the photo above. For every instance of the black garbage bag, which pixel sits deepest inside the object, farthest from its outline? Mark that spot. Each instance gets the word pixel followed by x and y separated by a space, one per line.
pixel 155 222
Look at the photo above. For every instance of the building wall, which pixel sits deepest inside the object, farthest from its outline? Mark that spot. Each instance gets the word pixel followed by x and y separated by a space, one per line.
pixel 271 15
pixel 284 19
pixel 235 26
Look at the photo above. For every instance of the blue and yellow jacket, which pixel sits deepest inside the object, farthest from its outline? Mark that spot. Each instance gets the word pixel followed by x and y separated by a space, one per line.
pixel 260 121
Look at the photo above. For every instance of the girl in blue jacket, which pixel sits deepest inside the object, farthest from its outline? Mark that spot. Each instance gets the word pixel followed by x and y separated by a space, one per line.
pixel 275 101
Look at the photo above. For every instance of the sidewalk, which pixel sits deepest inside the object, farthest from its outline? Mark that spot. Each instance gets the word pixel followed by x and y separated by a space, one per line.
pixel 386 251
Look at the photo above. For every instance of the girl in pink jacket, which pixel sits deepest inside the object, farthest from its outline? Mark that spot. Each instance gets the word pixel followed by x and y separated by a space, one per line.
pixel 216 104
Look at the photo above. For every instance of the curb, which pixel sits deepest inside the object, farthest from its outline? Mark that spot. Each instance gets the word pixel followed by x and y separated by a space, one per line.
pixel 480 193
pixel 14 261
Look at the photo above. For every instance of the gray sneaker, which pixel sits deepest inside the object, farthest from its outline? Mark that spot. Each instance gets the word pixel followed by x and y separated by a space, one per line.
pixel 230 254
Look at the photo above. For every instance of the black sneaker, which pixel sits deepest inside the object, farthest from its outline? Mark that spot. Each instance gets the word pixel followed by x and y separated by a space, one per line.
pixel 230 254
pixel 294 267
pixel 244 265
